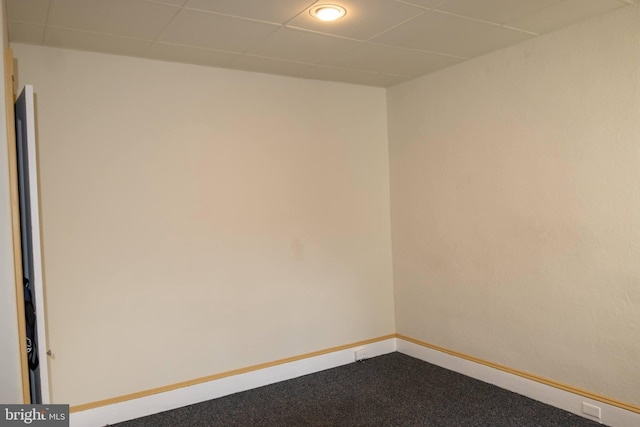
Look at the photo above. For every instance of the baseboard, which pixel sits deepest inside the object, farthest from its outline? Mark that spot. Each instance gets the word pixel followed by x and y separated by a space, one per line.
pixel 120 411
pixel 158 402
pixel 558 396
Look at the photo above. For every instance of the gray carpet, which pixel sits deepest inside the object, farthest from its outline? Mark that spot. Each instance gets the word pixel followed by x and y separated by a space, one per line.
pixel 389 390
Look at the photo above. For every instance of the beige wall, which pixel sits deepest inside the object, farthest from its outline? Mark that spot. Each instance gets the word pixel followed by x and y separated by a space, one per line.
pixel 10 379
pixel 198 220
pixel 515 187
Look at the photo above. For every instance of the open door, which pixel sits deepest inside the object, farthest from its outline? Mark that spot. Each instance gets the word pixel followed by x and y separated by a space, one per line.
pixel 31 249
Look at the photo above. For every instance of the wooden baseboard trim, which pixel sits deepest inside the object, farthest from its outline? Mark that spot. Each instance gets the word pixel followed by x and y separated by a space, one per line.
pixel 145 393
pixel 532 377
pixel 523 374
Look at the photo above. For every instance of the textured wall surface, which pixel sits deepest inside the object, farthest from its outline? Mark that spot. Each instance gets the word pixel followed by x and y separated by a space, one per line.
pixel 515 194
pixel 198 220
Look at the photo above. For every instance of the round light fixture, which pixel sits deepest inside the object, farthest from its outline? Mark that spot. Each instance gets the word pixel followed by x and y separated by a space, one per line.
pixel 328 12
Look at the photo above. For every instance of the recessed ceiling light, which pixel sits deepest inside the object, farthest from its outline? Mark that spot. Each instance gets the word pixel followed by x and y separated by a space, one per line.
pixel 328 12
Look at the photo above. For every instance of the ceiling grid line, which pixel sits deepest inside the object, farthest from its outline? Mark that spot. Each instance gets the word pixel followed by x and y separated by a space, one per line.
pixel 46 20
pixel 144 53
pixel 482 21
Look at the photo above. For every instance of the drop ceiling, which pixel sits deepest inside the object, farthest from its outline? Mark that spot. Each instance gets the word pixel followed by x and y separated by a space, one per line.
pixel 378 42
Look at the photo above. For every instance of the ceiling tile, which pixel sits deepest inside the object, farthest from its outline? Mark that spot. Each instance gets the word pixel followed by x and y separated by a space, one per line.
pixel 378 43
pixel 278 11
pixel 563 14
pixel 364 18
pixel 301 46
pixel 179 3
pixel 357 77
pixel 23 32
pixel 424 3
pixel 499 11
pixel 129 18
pixel 272 66
pixel 308 71
pixel 452 35
pixel 209 30
pixel 34 11
pixel 391 60
pixel 189 54
pixel 83 40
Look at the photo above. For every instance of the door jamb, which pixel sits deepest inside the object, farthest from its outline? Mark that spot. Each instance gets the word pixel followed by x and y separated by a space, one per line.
pixel 10 98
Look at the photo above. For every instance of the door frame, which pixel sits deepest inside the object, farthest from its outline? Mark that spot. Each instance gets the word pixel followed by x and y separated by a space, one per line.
pixel 10 98
pixel 34 195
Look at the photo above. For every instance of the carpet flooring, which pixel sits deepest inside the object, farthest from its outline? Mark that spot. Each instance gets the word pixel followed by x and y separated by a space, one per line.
pixel 389 390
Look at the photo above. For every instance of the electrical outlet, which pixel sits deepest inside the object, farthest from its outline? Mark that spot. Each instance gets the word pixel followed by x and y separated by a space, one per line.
pixel 592 410
pixel 360 355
